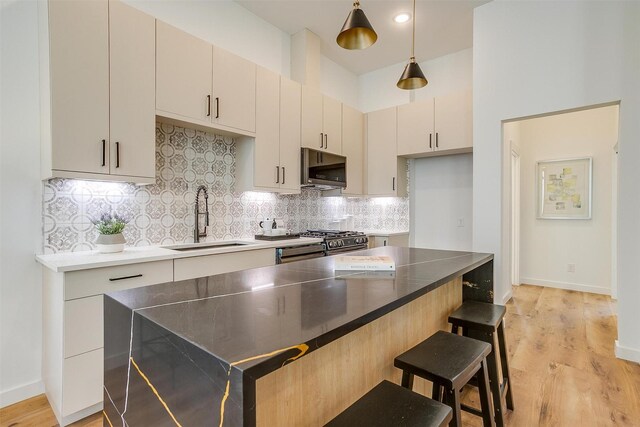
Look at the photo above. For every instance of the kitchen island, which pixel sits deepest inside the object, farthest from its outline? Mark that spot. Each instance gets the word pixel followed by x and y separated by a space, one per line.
pixel 291 344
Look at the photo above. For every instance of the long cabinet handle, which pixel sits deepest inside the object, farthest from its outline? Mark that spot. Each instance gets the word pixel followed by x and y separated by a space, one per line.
pixel 217 107
pixel 117 154
pixel 208 105
pixel 430 136
pixel 283 175
pixel 321 139
pixel 326 136
pixel 394 183
pixel 115 279
pixel 277 174
pixel 436 139
pixel 104 152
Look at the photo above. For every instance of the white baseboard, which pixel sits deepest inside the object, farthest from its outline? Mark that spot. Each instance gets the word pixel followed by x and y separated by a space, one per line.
pixel 507 297
pixel 565 285
pixel 17 394
pixel 627 353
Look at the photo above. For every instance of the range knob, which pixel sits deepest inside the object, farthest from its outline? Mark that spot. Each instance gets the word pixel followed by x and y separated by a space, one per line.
pixel 332 244
pixel 340 243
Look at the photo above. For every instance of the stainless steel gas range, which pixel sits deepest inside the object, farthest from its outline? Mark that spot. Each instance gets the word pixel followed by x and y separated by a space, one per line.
pixel 333 242
pixel 336 241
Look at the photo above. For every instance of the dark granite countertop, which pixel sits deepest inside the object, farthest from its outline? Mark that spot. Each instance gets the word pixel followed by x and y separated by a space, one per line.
pixel 252 313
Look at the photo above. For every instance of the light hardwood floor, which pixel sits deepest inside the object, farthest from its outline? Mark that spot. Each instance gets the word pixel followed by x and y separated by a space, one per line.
pixel 563 367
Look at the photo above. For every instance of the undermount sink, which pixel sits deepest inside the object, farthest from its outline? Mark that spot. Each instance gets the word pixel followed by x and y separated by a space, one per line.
pixel 206 245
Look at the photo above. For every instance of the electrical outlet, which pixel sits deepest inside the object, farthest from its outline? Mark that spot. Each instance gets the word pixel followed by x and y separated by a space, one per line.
pixel 571 268
pixel 460 222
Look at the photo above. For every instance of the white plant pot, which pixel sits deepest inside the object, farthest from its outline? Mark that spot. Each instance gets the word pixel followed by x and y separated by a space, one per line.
pixel 110 243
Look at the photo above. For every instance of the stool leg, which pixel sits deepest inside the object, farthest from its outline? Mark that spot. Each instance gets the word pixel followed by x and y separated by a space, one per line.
pixel 454 329
pixel 452 399
pixel 505 364
pixel 485 395
pixel 436 392
pixel 495 383
pixel 407 380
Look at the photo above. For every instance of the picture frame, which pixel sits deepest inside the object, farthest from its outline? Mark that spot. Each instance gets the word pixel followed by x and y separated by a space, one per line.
pixel 564 188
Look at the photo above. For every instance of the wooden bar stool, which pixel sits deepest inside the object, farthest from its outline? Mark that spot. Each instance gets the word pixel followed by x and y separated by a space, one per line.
pixel 483 321
pixel 450 361
pixel 388 404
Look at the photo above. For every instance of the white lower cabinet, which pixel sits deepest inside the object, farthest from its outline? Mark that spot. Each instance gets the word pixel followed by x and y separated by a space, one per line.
pixel 73 328
pixel 378 240
pixel 73 320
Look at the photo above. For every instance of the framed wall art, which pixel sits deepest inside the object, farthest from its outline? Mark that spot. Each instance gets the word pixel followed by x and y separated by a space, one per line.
pixel 564 188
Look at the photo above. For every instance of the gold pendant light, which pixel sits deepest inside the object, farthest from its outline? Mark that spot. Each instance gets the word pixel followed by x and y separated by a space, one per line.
pixel 412 77
pixel 357 32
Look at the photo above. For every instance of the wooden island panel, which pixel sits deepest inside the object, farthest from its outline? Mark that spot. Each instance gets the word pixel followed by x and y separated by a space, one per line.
pixel 315 388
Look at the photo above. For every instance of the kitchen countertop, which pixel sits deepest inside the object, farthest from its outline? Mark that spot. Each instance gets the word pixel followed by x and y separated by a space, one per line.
pixel 73 261
pixel 385 233
pixel 231 318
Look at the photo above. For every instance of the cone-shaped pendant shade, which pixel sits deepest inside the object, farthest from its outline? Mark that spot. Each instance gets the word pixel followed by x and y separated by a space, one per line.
pixel 412 77
pixel 357 32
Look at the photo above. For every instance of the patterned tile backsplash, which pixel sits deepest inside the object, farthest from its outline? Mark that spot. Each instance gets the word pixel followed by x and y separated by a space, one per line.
pixel 162 213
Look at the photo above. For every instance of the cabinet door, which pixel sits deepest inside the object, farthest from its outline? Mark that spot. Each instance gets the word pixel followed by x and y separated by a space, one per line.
pixel 381 152
pixel 290 116
pixel 312 134
pixel 183 74
pixel 234 91
pixel 332 124
pixel 454 121
pixel 267 143
pixel 415 128
pixel 132 63
pixel 79 61
pixel 353 149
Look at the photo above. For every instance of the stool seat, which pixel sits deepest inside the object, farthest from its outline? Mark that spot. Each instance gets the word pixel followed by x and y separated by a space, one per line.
pixel 388 404
pixel 444 358
pixel 478 315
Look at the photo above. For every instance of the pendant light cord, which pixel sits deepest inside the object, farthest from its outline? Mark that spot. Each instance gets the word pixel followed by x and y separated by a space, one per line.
pixel 413 36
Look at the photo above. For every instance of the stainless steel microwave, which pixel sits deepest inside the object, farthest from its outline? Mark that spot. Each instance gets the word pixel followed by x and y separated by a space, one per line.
pixel 323 170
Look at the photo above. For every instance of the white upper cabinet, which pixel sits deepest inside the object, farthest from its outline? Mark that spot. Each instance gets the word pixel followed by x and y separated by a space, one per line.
pixel 98 91
pixel 353 149
pixel 266 157
pixel 321 121
pixel 332 125
pixel 184 70
pixel 234 91
pixel 386 173
pixel 290 117
pixel 79 86
pixel 271 160
pixel 454 121
pixel 132 91
pixel 415 128
pixel 436 126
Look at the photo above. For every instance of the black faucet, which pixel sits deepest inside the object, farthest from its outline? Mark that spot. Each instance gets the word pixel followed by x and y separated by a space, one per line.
pixel 196 232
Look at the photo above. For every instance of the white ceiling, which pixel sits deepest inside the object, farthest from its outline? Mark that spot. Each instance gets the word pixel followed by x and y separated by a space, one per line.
pixel 442 27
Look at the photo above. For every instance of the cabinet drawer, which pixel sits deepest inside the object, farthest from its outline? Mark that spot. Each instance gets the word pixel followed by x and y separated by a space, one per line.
pixel 84 283
pixel 83 325
pixel 82 381
pixel 208 265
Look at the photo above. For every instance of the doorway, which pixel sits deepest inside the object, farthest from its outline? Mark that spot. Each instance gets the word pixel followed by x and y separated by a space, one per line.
pixel 569 253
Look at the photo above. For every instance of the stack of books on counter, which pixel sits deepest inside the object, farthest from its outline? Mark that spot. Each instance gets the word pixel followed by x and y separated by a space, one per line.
pixel 365 263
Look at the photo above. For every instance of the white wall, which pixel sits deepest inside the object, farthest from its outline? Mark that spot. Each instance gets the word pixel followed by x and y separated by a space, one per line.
pixel 449 73
pixel 548 246
pixel 228 25
pixel 20 211
pixel 441 190
pixel 538 57
pixel 338 82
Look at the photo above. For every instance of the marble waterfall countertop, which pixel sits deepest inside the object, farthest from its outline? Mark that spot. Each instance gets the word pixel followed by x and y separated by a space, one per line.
pixel 226 331
pixel 72 261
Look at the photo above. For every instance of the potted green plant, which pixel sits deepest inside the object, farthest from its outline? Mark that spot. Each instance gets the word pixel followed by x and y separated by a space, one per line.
pixel 110 227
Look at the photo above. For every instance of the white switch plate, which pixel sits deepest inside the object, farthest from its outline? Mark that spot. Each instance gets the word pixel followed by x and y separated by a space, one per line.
pixel 571 268
pixel 460 222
